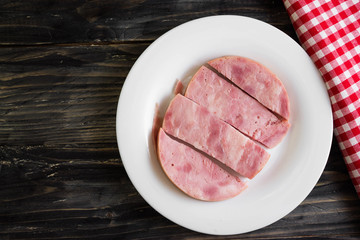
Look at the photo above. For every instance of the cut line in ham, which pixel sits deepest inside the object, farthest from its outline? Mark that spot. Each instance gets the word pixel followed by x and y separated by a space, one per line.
pixel 194 173
pixel 194 124
pixel 235 107
pixel 256 80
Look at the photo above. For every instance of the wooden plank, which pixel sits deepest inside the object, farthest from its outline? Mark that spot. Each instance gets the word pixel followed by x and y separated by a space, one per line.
pixel 52 95
pixel 61 174
pixel 78 21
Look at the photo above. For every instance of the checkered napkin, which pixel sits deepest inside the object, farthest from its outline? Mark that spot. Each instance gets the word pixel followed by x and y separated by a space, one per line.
pixel 329 31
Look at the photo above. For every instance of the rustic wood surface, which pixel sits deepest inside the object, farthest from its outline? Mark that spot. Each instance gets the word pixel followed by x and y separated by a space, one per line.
pixel 62 66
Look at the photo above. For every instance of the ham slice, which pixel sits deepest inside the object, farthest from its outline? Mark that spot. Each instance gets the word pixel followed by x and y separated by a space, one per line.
pixel 235 107
pixel 194 124
pixel 256 80
pixel 194 173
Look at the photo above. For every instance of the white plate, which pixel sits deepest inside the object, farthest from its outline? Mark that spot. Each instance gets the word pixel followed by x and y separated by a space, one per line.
pixel 295 165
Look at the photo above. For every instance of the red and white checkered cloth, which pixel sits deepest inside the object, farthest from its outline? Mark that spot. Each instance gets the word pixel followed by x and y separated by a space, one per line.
pixel 329 31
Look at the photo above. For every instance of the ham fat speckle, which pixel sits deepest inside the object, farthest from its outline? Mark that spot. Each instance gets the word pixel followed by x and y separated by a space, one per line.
pixel 194 173
pixel 256 80
pixel 235 107
pixel 194 124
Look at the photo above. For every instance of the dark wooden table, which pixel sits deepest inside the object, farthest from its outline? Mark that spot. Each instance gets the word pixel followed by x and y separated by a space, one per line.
pixel 62 66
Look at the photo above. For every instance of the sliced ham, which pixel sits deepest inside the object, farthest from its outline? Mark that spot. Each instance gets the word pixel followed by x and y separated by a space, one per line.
pixel 236 107
pixel 194 124
pixel 194 173
pixel 256 80
pixel 178 87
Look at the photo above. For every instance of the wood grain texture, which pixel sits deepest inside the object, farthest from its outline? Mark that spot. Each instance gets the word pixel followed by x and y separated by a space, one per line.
pixel 62 67
pixel 67 89
pixel 75 21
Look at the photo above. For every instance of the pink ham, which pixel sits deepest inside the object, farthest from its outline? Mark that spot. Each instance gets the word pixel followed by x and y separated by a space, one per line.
pixel 236 107
pixel 194 173
pixel 194 124
pixel 256 80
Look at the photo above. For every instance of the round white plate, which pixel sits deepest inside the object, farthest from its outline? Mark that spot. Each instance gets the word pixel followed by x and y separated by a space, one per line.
pixel 294 166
